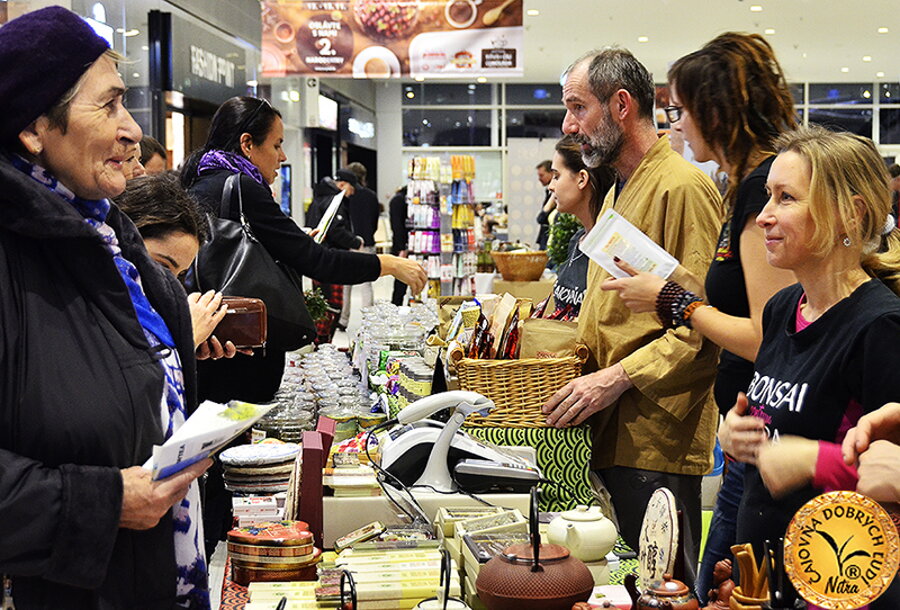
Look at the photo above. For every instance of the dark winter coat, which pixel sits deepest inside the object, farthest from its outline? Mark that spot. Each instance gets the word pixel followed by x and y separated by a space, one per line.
pixel 80 395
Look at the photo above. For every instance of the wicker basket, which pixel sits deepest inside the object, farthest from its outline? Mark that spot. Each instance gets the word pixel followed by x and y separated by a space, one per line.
pixel 519 388
pixel 520 266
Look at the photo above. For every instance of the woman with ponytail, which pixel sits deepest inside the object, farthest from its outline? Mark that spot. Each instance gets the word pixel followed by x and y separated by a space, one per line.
pixel 245 137
pixel 730 101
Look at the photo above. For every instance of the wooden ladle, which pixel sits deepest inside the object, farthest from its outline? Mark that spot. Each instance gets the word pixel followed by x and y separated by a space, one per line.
pixel 494 14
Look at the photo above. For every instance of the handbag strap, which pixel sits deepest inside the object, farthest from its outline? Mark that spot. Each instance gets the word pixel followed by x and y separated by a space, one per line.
pixel 225 204
pixel 232 183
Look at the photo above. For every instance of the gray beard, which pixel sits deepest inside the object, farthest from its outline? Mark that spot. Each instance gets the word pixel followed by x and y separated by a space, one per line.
pixel 604 150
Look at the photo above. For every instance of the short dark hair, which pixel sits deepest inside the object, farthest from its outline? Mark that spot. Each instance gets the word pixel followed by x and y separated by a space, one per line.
pixel 614 68
pixel 545 165
pixel 150 146
pixel 360 170
pixel 159 205
pixel 894 170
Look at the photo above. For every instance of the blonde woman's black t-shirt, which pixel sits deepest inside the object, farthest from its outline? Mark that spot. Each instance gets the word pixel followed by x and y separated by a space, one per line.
pixel 805 382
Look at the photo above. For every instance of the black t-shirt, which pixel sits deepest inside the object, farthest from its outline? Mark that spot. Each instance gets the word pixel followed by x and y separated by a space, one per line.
pixel 725 285
pixel 804 382
pixel 571 278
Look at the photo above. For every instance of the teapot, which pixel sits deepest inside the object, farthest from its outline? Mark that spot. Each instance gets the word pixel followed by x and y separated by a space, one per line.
pixel 534 576
pixel 671 594
pixel 587 534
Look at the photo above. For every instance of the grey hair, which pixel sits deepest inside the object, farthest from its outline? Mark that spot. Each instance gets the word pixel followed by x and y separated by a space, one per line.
pixel 615 68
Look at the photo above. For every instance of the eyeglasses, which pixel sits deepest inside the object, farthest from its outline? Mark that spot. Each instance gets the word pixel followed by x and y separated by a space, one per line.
pixel 673 113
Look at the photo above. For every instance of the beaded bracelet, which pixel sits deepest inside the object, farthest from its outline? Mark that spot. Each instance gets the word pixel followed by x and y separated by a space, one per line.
pixel 665 301
pixel 684 308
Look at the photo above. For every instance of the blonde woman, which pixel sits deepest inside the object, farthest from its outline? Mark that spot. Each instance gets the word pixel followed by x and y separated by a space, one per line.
pixel 829 350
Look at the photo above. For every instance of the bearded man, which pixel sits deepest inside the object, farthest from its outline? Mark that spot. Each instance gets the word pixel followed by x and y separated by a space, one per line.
pixel 646 391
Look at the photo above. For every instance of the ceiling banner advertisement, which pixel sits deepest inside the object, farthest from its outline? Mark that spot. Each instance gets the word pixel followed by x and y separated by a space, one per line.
pixel 392 38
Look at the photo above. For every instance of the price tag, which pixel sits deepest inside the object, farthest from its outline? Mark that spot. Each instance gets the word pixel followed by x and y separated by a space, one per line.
pixel 446 273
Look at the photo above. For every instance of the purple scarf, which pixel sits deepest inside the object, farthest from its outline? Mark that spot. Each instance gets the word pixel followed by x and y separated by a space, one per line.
pixel 233 162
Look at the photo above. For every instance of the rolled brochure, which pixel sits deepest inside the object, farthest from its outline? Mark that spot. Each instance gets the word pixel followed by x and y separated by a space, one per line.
pixel 208 429
pixel 614 236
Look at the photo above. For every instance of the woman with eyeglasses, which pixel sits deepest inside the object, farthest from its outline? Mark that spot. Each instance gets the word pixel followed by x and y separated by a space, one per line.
pixel 730 100
pixel 245 137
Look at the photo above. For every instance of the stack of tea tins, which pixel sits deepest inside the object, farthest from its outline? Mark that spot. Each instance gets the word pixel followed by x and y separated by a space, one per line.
pixel 263 468
pixel 272 551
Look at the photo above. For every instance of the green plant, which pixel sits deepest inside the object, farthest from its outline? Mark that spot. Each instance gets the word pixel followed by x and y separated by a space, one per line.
pixel 315 304
pixel 564 227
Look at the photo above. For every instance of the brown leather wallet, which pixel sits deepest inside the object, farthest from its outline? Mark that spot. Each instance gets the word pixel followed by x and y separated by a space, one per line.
pixel 244 324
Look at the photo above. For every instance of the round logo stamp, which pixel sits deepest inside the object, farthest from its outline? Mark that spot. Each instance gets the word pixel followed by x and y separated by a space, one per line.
pixel 841 550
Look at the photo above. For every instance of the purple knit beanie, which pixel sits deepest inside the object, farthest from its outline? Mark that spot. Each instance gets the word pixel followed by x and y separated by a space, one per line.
pixel 42 55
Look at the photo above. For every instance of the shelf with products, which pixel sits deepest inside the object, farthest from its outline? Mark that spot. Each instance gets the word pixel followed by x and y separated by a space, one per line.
pixel 441 221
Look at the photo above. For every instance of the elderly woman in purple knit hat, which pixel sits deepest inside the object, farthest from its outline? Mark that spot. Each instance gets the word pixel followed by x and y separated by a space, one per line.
pixel 96 349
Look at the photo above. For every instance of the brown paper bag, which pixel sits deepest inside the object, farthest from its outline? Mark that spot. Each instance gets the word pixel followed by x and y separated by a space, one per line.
pixel 547 338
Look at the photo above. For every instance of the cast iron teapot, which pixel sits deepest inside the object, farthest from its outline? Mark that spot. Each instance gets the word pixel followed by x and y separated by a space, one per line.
pixel 535 576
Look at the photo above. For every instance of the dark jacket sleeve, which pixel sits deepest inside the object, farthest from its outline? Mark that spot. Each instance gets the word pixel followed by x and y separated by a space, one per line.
pixel 339 233
pixel 288 243
pixel 397 213
pixel 59 523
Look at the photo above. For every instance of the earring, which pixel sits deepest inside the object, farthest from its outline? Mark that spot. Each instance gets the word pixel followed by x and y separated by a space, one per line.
pixel 847 242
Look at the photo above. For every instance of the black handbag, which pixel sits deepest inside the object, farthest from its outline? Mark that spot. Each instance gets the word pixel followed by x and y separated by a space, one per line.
pixel 235 263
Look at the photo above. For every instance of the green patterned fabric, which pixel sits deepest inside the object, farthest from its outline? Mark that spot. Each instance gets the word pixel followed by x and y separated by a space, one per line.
pixel 563 455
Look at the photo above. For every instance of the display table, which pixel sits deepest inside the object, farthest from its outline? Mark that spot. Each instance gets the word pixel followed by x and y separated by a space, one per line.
pixel 342 515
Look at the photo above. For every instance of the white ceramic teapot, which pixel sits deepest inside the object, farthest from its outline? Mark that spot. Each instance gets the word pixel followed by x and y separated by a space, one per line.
pixel 587 534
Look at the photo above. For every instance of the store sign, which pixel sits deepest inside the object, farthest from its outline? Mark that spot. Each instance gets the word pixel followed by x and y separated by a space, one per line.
pixel 392 38
pixel 205 65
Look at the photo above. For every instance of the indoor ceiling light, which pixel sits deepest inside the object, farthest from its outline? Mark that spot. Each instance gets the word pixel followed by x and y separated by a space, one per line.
pixel 532 12
pixel 845 69
pixel 481 79
pixel 128 33
pixel 755 8
pixel 643 39
pixel 419 79
pixel 410 94
pixel 879 74
pixel 867 58
pixel 867 94
pixel 883 30
pixel 769 31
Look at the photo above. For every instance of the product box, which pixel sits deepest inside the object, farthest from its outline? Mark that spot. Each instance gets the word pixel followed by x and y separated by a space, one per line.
pixel 537 291
pixel 506 521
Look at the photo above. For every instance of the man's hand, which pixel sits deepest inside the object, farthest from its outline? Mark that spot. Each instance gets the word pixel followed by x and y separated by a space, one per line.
pixel 881 424
pixel 586 395
pixel 144 502
pixel 879 467
pixel 741 435
pixel 788 464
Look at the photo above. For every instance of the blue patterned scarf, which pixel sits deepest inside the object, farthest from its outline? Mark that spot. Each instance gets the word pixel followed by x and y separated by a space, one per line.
pixel 233 162
pixel 192 587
